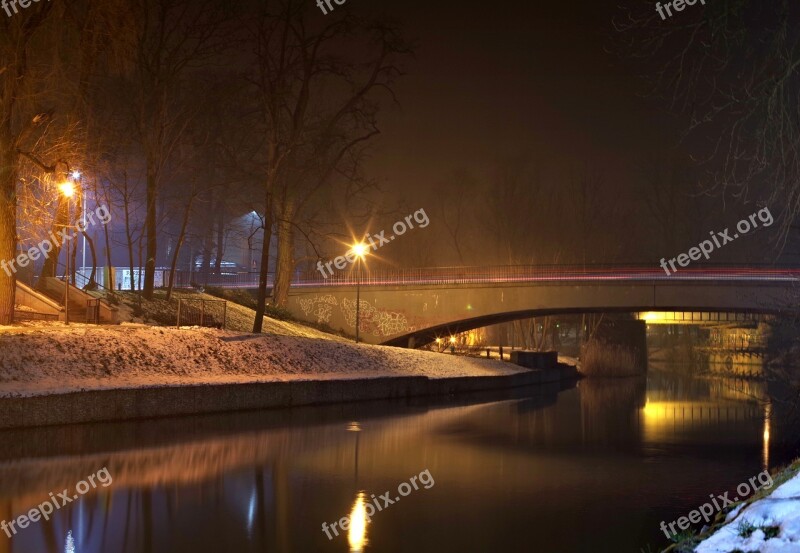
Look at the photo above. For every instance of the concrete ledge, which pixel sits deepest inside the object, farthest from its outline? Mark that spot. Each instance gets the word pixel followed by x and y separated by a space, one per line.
pixel 143 403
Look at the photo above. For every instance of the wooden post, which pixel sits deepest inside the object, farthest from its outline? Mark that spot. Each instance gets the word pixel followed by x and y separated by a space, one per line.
pixel 202 312
pixel 178 322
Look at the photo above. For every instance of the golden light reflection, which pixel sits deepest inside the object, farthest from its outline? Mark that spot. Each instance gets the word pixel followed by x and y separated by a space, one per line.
pixel 654 411
pixel 767 423
pixel 357 532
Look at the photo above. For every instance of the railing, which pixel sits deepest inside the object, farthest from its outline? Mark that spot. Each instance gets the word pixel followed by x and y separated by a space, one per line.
pixel 549 273
pixel 197 312
pixel 93 311
pixel 184 279
pixel 494 275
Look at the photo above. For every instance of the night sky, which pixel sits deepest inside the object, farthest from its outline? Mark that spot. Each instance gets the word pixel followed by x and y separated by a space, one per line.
pixel 521 78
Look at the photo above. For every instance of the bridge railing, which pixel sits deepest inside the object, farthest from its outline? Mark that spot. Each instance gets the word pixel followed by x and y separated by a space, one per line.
pixel 547 273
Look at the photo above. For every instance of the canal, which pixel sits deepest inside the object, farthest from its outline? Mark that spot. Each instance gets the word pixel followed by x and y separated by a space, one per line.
pixel 595 467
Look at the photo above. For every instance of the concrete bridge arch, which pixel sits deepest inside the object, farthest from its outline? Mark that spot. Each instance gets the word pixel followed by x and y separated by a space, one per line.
pixel 391 314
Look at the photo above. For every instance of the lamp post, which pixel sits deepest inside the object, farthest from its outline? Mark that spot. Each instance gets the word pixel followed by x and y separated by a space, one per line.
pixel 360 251
pixel 76 177
pixel 67 190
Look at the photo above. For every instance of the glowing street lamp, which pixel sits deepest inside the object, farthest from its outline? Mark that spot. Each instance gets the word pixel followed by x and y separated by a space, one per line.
pixel 360 251
pixel 67 190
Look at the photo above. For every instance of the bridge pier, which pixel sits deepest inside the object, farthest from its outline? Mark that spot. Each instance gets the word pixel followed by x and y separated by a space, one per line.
pixel 617 348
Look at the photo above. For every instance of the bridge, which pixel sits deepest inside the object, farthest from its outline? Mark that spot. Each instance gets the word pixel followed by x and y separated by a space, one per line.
pixel 415 306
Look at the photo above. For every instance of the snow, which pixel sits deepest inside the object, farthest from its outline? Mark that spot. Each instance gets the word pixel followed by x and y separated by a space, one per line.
pixel 45 358
pixel 780 509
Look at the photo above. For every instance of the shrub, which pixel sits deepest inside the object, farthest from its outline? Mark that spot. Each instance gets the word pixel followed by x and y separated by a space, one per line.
pixel 280 313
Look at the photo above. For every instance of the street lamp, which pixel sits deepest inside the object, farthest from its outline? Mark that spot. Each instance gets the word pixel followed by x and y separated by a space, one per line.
pixel 360 251
pixel 67 190
pixel 76 177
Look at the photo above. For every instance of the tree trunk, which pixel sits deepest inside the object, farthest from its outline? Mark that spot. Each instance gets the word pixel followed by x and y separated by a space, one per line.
pixel 285 264
pixel 139 277
pixel 181 238
pixel 129 234
pixel 8 231
pixel 261 306
pixel 111 285
pixel 220 238
pixel 92 284
pixel 152 238
pixel 50 268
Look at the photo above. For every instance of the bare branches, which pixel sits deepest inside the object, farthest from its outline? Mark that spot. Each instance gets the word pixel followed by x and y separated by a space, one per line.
pixel 734 69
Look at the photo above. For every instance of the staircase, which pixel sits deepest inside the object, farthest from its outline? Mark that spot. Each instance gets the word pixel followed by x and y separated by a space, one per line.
pixel 79 302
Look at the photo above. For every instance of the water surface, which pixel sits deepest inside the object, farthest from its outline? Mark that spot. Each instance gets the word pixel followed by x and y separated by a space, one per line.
pixel 592 468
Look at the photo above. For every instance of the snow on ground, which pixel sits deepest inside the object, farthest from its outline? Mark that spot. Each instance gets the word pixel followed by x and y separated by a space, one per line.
pixel 44 358
pixel 777 515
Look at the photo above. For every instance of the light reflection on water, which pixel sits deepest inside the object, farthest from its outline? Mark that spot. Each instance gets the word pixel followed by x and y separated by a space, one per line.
pixel 357 533
pixel 602 463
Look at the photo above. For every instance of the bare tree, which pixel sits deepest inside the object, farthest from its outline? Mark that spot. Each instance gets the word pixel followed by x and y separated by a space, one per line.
pixel 17 115
pixel 733 68
pixel 593 208
pixel 316 107
pixel 173 38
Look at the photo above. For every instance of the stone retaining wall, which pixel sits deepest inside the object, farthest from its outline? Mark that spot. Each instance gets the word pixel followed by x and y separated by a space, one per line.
pixel 142 403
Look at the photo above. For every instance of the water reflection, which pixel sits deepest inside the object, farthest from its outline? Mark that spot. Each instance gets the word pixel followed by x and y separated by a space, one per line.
pixel 767 422
pixel 357 533
pixel 606 461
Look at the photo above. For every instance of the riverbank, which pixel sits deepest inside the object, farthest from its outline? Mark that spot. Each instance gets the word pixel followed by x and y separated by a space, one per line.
pixel 46 359
pixel 767 523
pixel 53 374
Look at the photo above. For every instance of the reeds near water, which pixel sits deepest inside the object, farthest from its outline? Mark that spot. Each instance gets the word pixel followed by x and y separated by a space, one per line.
pixel 599 359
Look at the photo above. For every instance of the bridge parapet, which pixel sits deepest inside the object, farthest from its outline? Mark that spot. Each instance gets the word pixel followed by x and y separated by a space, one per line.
pixel 392 312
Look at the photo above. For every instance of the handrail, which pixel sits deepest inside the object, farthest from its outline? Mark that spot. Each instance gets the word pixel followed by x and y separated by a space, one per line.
pixel 500 274
pixel 548 273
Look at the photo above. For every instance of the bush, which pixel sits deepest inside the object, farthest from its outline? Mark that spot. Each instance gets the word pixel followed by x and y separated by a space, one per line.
pixel 243 297
pixel 280 313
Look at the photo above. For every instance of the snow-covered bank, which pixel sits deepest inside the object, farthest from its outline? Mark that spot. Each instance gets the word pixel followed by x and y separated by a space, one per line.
pixel 52 358
pixel 768 525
